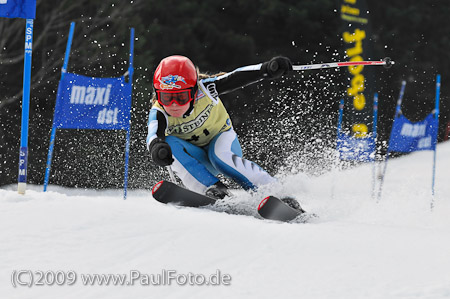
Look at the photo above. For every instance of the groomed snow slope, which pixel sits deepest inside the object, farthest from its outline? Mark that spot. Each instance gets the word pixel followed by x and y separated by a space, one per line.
pixel 357 248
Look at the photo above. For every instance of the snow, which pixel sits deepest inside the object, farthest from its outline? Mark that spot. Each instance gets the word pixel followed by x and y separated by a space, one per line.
pixel 357 248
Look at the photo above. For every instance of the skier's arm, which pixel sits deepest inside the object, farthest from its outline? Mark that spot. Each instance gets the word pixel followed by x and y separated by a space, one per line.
pixel 160 151
pixel 156 126
pixel 239 78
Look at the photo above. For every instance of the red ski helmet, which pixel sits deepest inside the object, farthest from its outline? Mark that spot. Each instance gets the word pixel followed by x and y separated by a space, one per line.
pixel 175 74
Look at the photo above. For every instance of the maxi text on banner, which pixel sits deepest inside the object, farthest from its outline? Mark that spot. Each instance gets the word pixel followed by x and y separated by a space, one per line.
pixel 93 103
pixel 25 9
pixel 407 136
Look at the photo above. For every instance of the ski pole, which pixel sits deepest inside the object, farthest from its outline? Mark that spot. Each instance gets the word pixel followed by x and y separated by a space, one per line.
pixel 386 62
pixel 172 176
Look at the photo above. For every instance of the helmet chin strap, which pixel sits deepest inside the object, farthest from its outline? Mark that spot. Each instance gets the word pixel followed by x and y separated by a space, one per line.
pixel 191 108
pixel 191 103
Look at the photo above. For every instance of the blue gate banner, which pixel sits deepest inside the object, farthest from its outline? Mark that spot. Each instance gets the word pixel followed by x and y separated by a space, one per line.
pixel 93 103
pixel 25 9
pixel 407 136
pixel 356 149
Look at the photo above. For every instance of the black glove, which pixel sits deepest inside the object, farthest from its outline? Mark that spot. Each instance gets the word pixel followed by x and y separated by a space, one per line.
pixel 276 67
pixel 161 152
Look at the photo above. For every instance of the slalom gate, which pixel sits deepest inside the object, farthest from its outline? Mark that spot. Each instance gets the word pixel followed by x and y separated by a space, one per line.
pixel 407 136
pixel 92 103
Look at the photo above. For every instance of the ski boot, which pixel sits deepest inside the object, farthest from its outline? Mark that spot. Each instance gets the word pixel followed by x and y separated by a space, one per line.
pixel 293 203
pixel 217 191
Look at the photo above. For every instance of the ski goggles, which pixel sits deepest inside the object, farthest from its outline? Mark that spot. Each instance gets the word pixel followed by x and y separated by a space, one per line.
pixel 181 97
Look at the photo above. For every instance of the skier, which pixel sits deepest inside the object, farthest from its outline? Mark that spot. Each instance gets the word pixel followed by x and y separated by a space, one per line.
pixel 190 129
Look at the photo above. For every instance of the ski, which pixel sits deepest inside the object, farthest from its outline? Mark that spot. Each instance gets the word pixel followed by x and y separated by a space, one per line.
pixel 168 192
pixel 274 208
pixel 271 208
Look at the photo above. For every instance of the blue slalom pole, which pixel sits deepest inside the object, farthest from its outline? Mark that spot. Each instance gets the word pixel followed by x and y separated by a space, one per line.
pixel 53 133
pixel 49 157
pixel 130 67
pixel 436 116
pixel 374 136
pixel 127 154
pixel 375 115
pixel 127 142
pixel 68 47
pixel 23 153
pixel 400 99
pixel 397 112
pixel 341 112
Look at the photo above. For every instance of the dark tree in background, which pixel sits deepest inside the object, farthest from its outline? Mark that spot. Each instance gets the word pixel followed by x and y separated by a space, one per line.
pixel 292 117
